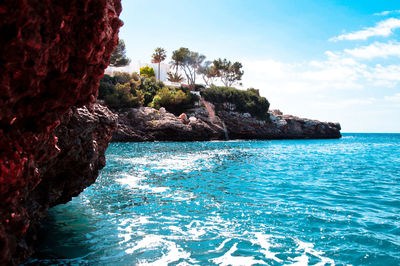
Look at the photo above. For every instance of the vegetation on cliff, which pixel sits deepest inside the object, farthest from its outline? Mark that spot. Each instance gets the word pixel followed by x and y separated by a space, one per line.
pixel 124 90
pixel 134 90
pixel 244 101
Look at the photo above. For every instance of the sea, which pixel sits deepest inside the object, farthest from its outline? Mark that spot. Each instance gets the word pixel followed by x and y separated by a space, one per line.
pixel 278 202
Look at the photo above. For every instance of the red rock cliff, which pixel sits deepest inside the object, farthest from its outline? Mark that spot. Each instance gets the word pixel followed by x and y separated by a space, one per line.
pixel 52 55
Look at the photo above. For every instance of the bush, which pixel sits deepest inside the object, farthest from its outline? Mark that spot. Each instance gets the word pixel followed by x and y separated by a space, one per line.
pixel 108 83
pixel 174 100
pixel 149 87
pixel 124 96
pixel 248 101
pixel 147 71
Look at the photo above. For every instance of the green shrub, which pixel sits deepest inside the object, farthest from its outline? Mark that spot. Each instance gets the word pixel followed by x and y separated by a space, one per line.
pixel 246 101
pixel 149 87
pixel 147 71
pixel 174 100
pixel 124 96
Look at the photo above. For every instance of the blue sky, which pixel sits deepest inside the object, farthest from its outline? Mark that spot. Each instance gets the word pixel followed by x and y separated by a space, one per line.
pixel 327 60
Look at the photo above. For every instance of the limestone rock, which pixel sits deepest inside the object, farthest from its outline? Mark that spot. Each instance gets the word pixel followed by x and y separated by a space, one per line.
pixel 52 54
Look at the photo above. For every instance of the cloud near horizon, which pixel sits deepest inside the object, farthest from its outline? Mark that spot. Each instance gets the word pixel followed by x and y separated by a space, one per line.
pixel 374 50
pixel 386 13
pixel 383 28
pixel 348 85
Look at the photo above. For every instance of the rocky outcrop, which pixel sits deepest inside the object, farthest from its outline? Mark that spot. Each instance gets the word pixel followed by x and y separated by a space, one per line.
pixel 83 137
pixel 52 55
pixel 280 126
pixel 148 124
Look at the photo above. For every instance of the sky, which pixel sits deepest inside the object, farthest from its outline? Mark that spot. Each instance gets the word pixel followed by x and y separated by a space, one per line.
pixel 336 61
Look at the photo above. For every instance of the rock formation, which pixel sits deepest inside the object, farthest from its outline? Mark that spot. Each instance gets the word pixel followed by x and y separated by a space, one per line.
pixel 52 55
pixel 280 126
pixel 148 124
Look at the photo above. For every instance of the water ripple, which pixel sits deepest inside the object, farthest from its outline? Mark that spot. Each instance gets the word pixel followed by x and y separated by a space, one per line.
pixel 317 202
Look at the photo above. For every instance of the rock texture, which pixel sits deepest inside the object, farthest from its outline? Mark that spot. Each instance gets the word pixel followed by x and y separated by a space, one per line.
pixel 52 55
pixel 148 124
pixel 280 126
pixel 83 137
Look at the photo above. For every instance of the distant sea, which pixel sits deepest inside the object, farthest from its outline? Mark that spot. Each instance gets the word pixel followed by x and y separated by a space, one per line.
pixel 316 202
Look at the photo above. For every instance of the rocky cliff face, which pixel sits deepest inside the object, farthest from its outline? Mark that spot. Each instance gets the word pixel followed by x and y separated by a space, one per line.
pixel 148 124
pixel 280 126
pixel 83 137
pixel 52 55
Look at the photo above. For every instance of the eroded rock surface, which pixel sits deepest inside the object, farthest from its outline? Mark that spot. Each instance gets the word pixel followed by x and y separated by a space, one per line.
pixel 52 55
pixel 148 124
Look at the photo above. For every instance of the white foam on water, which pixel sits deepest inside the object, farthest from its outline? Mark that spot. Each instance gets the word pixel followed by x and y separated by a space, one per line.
pixel 264 241
pixel 308 248
pixel 183 163
pixel 149 242
pixel 134 181
pixel 128 227
pixel 300 260
pixel 222 245
pixel 228 259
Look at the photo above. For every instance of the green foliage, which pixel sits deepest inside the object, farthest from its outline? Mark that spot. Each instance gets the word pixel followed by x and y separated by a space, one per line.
pixel 175 77
pixel 174 100
pixel 158 56
pixel 209 72
pixel 147 71
pixel 229 72
pixel 106 86
pixel 188 61
pixel 248 101
pixel 107 83
pixel 124 96
pixel 118 56
pixel 124 90
pixel 149 87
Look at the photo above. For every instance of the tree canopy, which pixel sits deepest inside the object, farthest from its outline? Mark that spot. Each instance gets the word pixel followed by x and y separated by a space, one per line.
pixel 147 71
pixel 158 56
pixel 209 72
pixel 229 72
pixel 189 62
pixel 118 56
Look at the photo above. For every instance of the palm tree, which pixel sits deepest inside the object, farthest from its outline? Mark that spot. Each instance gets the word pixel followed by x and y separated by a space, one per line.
pixel 159 55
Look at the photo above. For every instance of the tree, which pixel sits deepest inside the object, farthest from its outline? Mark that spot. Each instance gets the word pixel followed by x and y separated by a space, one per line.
pixel 229 72
pixel 147 71
pixel 189 62
pixel 159 56
pixel 209 73
pixel 118 56
pixel 175 77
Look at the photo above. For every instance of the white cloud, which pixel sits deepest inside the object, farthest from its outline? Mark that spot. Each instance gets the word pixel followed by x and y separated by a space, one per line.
pixel 383 28
pixel 377 49
pixel 394 98
pixel 385 13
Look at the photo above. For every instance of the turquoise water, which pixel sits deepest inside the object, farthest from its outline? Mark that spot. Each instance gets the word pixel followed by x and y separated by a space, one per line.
pixel 283 202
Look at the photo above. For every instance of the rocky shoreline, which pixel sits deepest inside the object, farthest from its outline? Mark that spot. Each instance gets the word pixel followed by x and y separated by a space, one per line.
pixel 53 56
pixel 148 124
